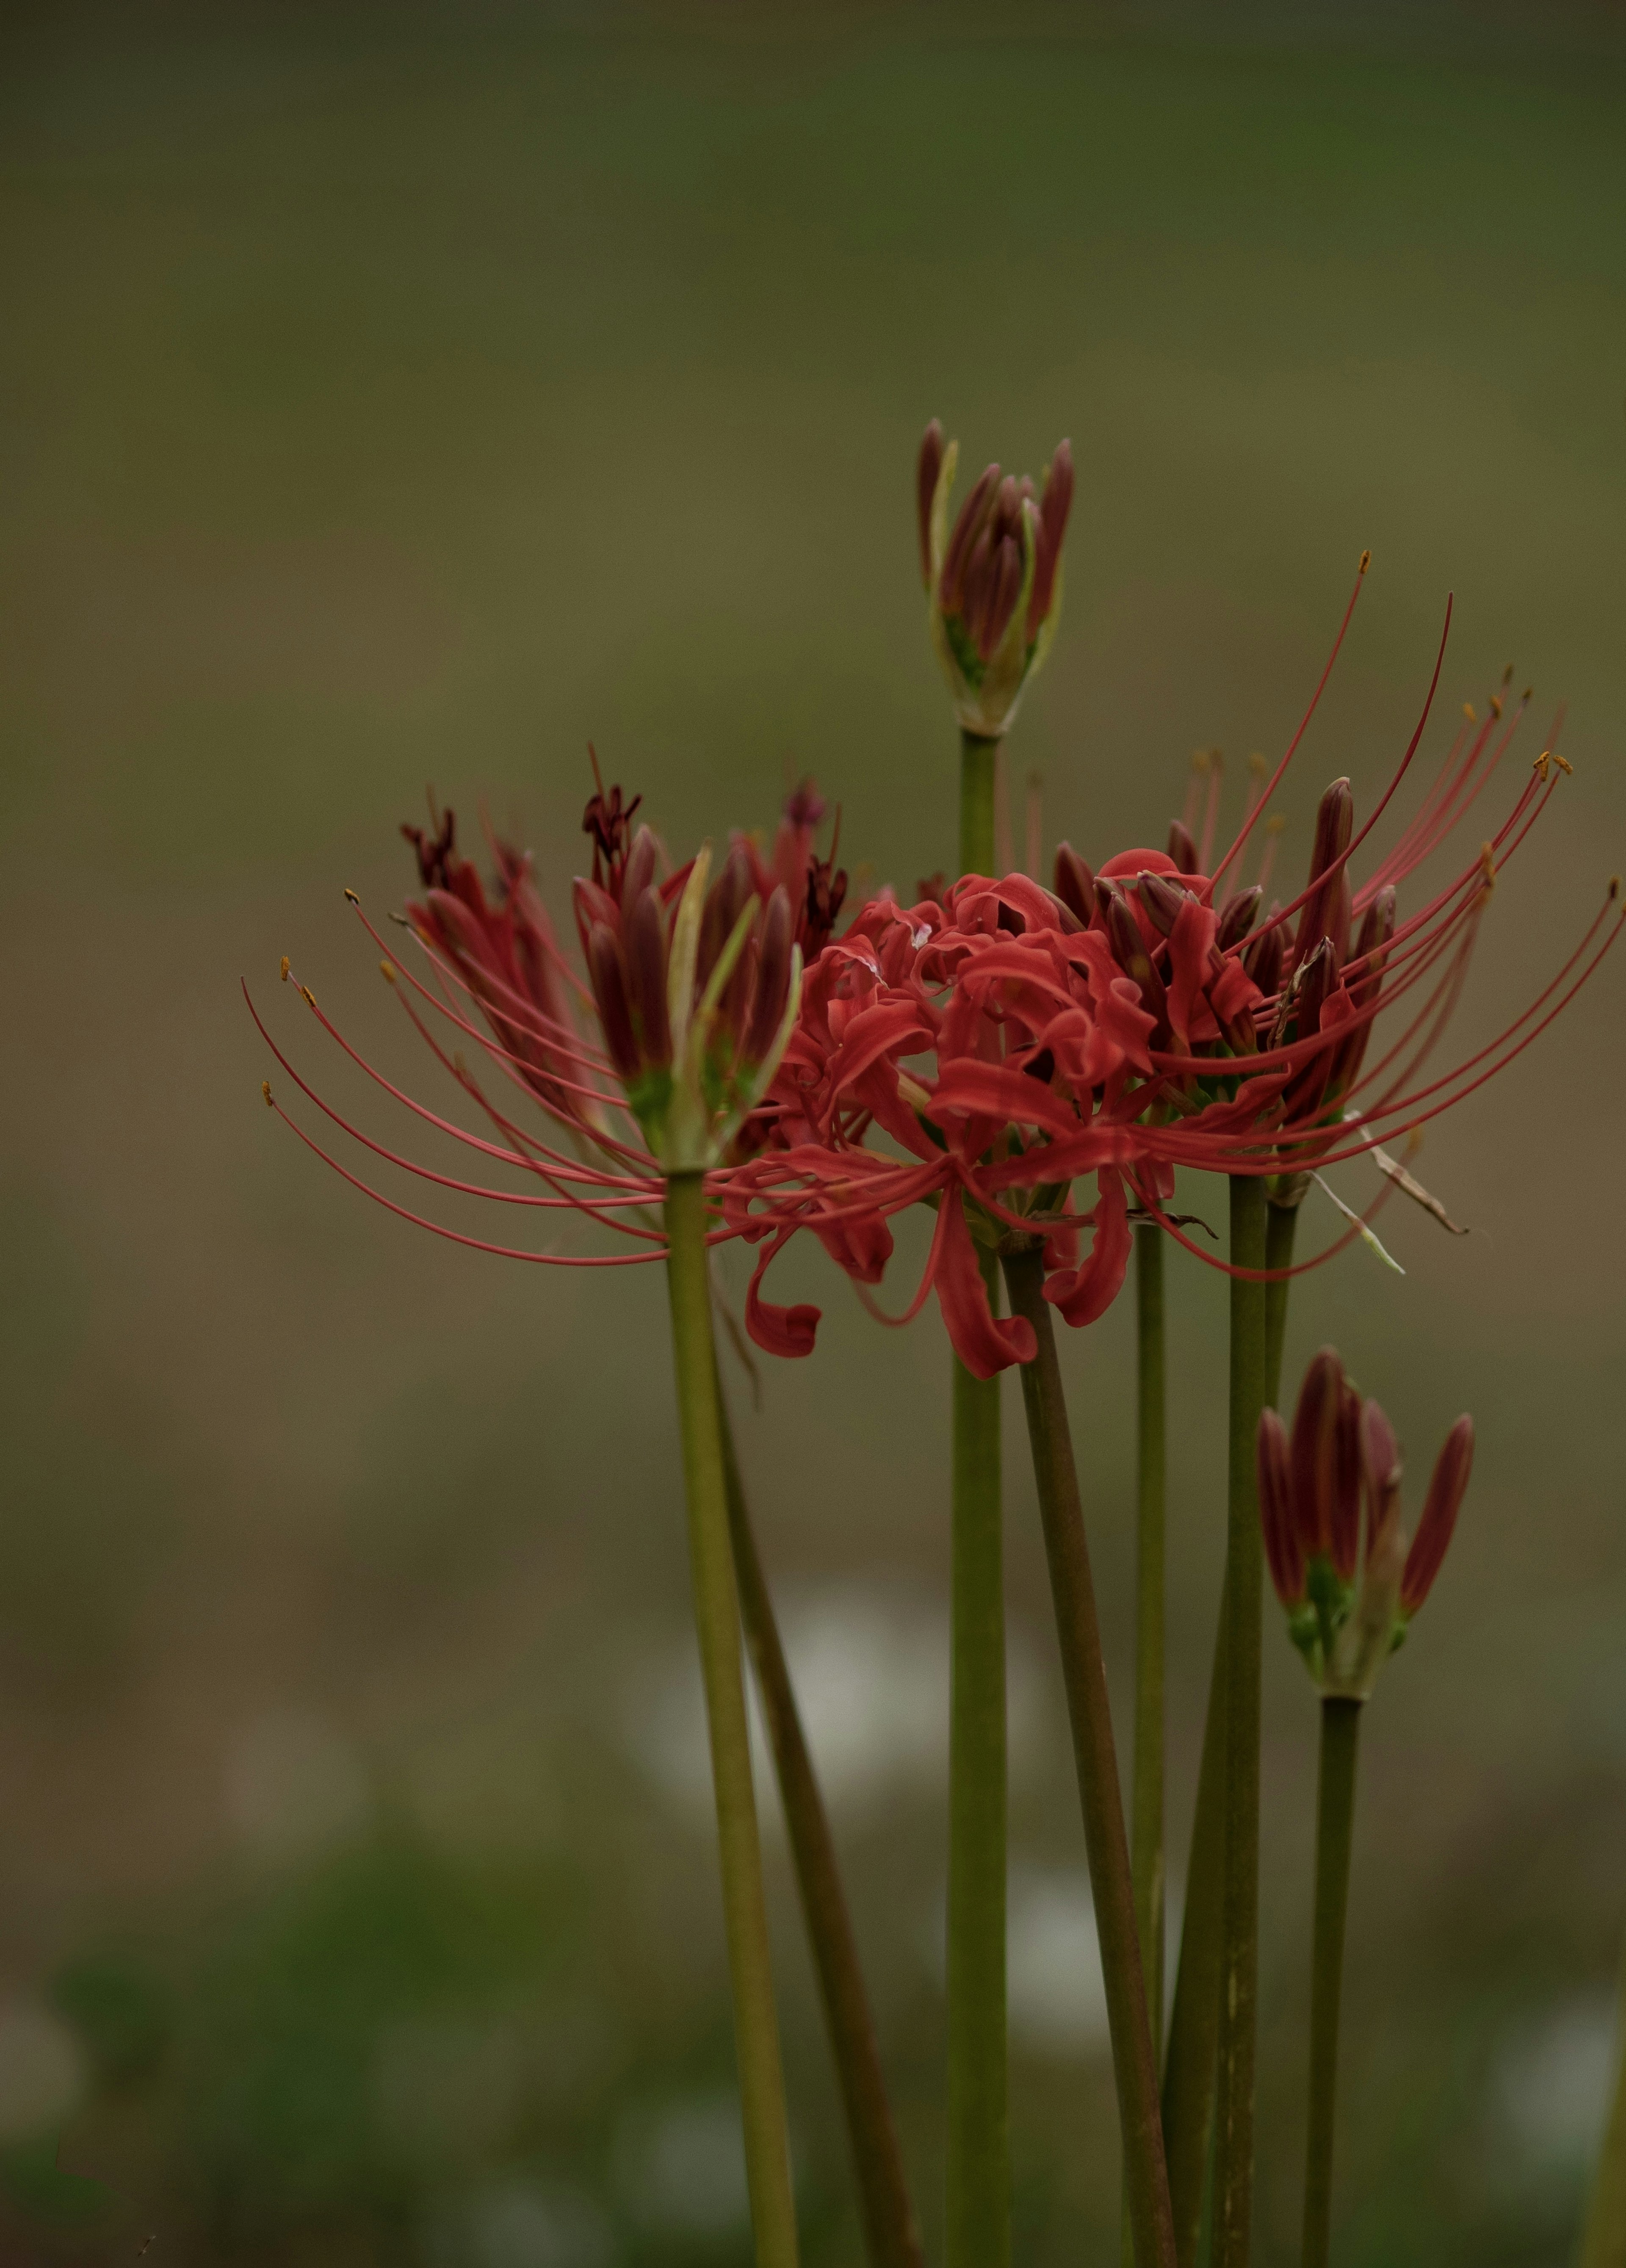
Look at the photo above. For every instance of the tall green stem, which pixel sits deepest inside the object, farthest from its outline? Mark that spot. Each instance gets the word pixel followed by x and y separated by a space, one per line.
pixel 1148 1618
pixel 1234 2180
pixel 1335 1823
pixel 892 2238
pixel 1089 1711
pixel 1190 2071
pixel 978 2218
pixel 716 1622
pixel 1603 2240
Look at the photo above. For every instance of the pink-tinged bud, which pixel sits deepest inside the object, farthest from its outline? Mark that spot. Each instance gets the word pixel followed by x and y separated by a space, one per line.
pixel 641 861
pixel 967 526
pixel 926 471
pixel 1315 1453
pixel 1130 951
pixel 1263 958
pixel 1327 909
pixel 646 973
pixel 1284 1552
pixel 1182 849
pixel 1237 916
pixel 1380 1459
pixel 1075 884
pixel 1054 508
pixel 1346 1504
pixel 1162 899
pixel 772 978
pixel 1370 947
pixel 609 991
pixel 1446 1488
pixel 1004 584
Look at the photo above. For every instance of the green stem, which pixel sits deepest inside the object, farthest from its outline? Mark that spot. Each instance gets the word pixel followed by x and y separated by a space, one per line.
pixel 1190 2070
pixel 892 2238
pixel 1335 1823
pixel 978 760
pixel 977 2233
pixel 1089 1711
pixel 1150 1546
pixel 716 1622
pixel 1603 2240
pixel 1233 2181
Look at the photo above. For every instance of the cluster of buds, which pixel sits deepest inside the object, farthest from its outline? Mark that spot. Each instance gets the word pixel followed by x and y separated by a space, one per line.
pixel 1329 1503
pixel 695 982
pixel 994 584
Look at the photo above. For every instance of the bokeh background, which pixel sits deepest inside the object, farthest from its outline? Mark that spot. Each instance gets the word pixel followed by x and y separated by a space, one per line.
pixel 403 397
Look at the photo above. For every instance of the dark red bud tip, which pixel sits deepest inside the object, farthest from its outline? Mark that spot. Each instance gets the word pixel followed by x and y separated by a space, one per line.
pixel 1283 1553
pixel 1002 583
pixel 1162 899
pixel 1264 956
pixel 1381 1462
pixel 1447 1486
pixel 1346 1509
pixel 1075 884
pixel 1182 847
pixel 641 861
pixel 1315 1453
pixel 1237 916
pixel 609 991
pixel 646 969
pixel 967 528
pixel 772 977
pixel 927 468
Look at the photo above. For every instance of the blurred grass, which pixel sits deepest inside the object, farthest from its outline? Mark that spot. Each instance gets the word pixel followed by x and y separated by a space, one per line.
pixel 399 397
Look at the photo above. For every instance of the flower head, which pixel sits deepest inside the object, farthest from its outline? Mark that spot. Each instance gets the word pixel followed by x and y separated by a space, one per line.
pixel 993 583
pixel 1350 1581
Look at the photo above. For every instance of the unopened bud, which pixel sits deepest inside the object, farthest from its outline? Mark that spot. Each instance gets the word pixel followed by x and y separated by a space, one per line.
pixel 1054 507
pixel 1263 958
pixel 641 861
pixel 1334 820
pixel 1163 900
pixel 1381 1469
pixel 1182 849
pixel 1284 1552
pixel 1075 884
pixel 1315 1453
pixel 609 991
pixel 1130 950
pixel 967 526
pixel 1237 916
pixel 927 467
pixel 646 973
pixel 773 976
pixel 1447 1485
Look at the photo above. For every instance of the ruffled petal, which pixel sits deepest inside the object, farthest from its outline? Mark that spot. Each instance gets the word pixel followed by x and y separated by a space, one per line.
pixel 1083 1295
pixel 987 1344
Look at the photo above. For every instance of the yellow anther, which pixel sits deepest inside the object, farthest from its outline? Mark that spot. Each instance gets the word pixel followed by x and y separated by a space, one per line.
pixel 309 996
pixel 1614 887
pixel 265 1089
pixel 1543 763
pixel 1366 561
pixel 1200 760
pixel 1486 864
pixel 1527 693
pixel 1276 823
pixel 285 968
pixel 1467 710
pixel 1257 764
pixel 1507 675
pixel 386 972
pixel 1496 704
pixel 1562 763
pixel 351 896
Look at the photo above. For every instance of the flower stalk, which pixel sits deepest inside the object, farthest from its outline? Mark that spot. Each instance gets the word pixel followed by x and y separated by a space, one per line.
pixel 1334 1822
pixel 978 2222
pixel 716 1621
pixel 1149 1532
pixel 1089 1715
pixel 892 2238
pixel 1233 2179
pixel 1603 2239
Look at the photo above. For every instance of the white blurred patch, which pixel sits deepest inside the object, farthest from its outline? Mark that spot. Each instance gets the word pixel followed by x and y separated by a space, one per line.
pixel 294 1786
pixel 1056 1994
pixel 448 2091
pixel 515 2222
pixel 871 1673
pixel 41 2070
pixel 680 2169
pixel 1551 2085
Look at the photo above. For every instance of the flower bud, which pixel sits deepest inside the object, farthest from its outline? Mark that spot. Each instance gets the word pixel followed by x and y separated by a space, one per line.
pixel 772 977
pixel 1327 909
pixel 1054 508
pixel 642 860
pixel 928 468
pixel 1447 1485
pixel 1284 1552
pixel 1162 899
pixel 1380 1460
pixel 994 583
pixel 1130 951
pixel 646 973
pixel 1182 849
pixel 1237 916
pixel 1315 1453
pixel 609 992
pixel 1264 956
pixel 1075 884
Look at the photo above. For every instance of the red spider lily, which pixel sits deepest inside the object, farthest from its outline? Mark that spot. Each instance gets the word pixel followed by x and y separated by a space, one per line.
pixel 994 584
pixel 1350 1585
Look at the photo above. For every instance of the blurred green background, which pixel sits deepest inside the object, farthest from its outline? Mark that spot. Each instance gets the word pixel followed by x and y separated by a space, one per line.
pixel 396 396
